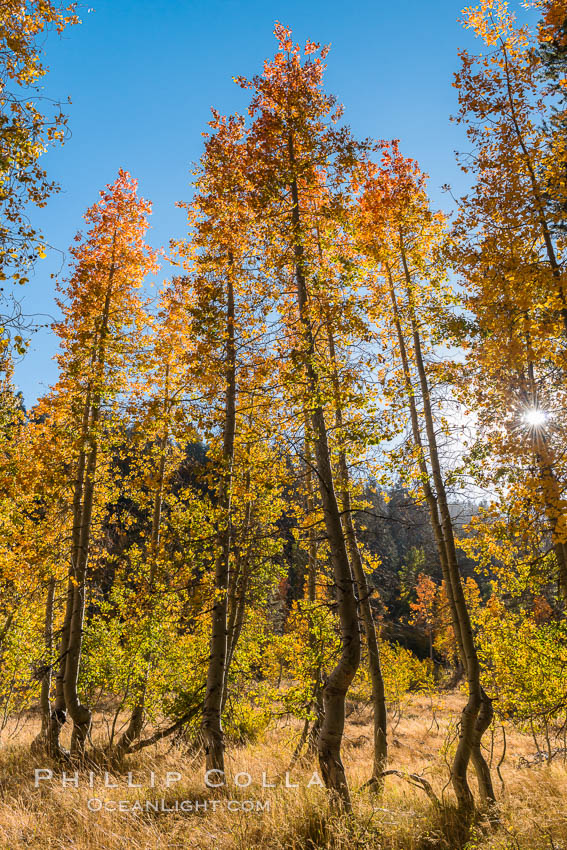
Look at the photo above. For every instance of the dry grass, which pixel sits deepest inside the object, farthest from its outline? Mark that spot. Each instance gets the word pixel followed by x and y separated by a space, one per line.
pixel 532 811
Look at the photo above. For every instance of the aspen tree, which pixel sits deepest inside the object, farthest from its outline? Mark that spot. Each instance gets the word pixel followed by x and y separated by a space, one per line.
pixel 295 149
pixel 103 317
pixel 402 234
pixel 226 311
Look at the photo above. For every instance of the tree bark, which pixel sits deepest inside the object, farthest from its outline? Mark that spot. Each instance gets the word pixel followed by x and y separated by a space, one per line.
pixel 58 716
pixel 237 609
pixel 238 586
pixel 82 523
pixel 211 725
pixel 339 680
pixel 472 728
pixel 79 713
pixel 380 750
pixel 311 736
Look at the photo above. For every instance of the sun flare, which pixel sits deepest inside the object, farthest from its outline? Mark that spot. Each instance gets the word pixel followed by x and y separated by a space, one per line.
pixel 535 417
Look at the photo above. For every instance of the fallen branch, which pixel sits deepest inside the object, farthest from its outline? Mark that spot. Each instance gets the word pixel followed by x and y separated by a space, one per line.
pixel 413 779
pixel 164 733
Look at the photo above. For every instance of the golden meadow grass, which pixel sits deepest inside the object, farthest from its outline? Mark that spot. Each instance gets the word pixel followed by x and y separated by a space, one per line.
pixel 532 808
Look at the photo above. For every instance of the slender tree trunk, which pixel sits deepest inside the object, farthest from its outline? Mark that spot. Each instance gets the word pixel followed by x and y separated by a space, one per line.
pixel 211 725
pixel 469 741
pixel 459 779
pixel 238 586
pixel 239 580
pixel 83 511
pixel 45 699
pixel 425 479
pixel 45 695
pixel 472 727
pixel 380 756
pixel 339 680
pixel 310 512
pixel 58 716
pixel 311 736
pixel 237 610
pixel 79 713
pixel 136 722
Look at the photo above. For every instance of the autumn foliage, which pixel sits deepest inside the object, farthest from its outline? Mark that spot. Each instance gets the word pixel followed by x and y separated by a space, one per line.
pixel 326 462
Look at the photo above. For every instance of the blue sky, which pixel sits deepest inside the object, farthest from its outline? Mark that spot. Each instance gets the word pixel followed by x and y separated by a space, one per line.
pixel 142 76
